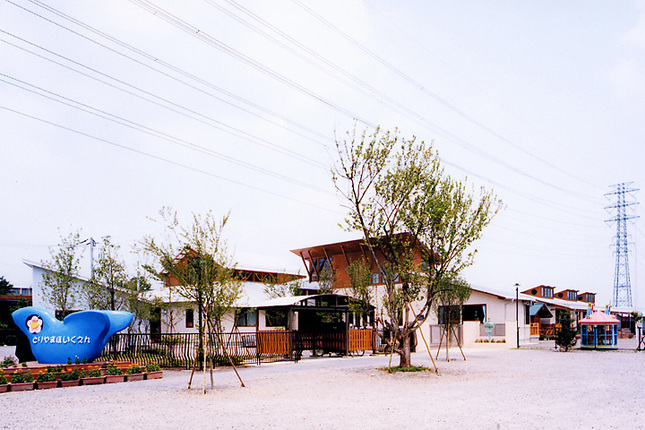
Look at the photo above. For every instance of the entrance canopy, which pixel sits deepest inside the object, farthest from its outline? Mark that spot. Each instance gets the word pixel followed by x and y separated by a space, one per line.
pixel 540 310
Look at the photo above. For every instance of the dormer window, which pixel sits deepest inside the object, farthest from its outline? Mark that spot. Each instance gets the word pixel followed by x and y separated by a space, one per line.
pixel 547 292
pixel 572 295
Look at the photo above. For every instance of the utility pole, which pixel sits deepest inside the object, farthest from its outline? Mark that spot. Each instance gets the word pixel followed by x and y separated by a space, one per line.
pixel 517 313
pixel 92 243
pixel 622 295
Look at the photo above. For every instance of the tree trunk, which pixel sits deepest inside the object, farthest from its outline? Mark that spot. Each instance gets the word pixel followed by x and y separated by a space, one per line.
pixel 404 353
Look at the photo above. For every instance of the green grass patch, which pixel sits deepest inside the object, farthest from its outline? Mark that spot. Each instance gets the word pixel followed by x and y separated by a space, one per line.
pixel 396 369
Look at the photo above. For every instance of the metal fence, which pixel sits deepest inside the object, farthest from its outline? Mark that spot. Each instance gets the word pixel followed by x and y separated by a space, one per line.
pixel 181 350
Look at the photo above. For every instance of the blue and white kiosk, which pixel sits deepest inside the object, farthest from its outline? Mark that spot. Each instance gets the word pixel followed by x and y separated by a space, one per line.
pixel 599 331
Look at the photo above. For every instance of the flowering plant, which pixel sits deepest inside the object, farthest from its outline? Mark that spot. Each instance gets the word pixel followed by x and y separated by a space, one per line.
pixel 9 361
pixel 46 377
pixel 133 369
pixel 113 370
pixel 69 376
pixel 92 372
pixel 19 377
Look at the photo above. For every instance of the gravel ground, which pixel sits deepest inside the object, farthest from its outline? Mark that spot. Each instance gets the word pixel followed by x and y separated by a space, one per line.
pixel 504 389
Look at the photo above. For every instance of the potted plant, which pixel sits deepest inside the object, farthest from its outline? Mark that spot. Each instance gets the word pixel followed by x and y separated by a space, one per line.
pixel 113 374
pixel 22 381
pixel 46 379
pixel 153 371
pixel 4 384
pixel 69 378
pixel 134 373
pixel 9 361
pixel 91 376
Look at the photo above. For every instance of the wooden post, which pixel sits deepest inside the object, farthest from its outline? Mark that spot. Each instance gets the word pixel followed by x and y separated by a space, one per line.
pixel 440 343
pixel 456 337
pixel 422 336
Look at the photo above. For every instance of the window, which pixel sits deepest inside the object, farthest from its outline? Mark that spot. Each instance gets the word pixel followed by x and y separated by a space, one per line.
pixel 474 313
pixel 276 318
pixel 375 278
pixel 190 318
pixel 247 318
pixel 547 292
pixel 572 295
pixel 527 314
pixel 317 265
pixel 591 298
pixel 445 310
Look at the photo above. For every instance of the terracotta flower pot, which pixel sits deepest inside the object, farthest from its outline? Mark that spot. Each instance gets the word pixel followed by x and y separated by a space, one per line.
pixel 111 379
pixel 46 385
pixel 72 383
pixel 154 375
pixel 22 386
pixel 134 377
pixel 93 380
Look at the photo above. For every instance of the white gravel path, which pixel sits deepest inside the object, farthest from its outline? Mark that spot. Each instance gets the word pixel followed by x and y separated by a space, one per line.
pixel 507 389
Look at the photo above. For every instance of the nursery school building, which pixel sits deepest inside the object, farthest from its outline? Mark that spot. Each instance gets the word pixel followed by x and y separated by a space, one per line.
pixel 265 329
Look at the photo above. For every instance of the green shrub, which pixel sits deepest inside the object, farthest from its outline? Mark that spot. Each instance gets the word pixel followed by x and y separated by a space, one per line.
pixel 72 375
pixel 90 373
pixel 3 379
pixel 19 377
pixel 133 369
pixel 565 338
pixel 223 360
pixel 46 377
pixel 9 361
pixel 113 370
pixel 152 367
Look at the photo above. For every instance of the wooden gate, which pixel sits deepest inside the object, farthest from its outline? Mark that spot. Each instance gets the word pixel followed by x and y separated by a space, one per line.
pixel 274 342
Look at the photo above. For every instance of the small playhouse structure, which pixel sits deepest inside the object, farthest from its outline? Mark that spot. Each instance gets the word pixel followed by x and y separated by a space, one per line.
pixel 599 331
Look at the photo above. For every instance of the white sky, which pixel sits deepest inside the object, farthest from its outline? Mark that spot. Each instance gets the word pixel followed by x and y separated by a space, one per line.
pixel 542 101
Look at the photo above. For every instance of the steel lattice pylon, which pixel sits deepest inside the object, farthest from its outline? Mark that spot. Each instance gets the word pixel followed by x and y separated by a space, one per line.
pixel 622 296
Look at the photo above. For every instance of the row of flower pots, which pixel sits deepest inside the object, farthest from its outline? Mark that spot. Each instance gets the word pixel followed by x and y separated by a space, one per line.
pixel 50 378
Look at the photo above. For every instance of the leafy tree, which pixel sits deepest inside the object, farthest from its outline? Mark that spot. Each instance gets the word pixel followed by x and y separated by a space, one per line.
pixel 452 294
pixel 61 286
pixel 326 279
pixel 5 286
pixel 106 289
pixel 360 275
pixel 195 264
pixel 137 303
pixel 400 199
pixel 21 303
pixel 565 338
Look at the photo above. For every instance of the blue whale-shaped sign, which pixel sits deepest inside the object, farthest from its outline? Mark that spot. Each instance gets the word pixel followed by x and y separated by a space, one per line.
pixel 81 335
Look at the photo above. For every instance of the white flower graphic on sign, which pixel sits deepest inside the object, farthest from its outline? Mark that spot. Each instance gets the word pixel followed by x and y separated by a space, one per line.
pixel 35 324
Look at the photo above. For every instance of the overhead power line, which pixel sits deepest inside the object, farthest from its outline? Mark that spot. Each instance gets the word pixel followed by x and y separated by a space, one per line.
pixel 443 101
pixel 159 61
pixel 159 158
pixel 147 130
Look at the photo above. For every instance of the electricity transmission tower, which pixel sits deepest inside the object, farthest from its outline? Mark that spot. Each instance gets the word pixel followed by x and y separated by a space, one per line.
pixel 622 296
